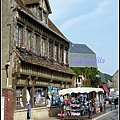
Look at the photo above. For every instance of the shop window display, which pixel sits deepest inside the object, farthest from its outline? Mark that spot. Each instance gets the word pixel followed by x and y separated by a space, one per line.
pixel 39 96
pixel 53 96
pixel 19 97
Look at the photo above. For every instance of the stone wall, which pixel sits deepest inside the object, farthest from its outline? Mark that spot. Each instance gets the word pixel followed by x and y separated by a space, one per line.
pixel 40 112
pixel 54 110
pixel 37 113
pixel 20 114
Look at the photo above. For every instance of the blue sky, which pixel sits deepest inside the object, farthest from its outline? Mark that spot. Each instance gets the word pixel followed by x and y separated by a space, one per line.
pixel 90 22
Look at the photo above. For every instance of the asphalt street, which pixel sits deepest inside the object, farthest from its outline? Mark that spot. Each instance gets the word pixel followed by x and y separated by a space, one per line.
pixel 112 115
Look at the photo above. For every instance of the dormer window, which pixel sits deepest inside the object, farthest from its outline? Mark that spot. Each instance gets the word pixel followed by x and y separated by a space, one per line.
pixel 39 14
pixel 33 9
pixel 44 18
pixel 40 9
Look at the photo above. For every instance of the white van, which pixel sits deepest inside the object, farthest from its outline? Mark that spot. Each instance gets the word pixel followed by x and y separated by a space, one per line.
pixel 114 94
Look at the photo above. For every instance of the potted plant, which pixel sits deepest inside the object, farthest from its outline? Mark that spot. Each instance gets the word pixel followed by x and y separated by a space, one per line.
pixel 30 51
pixel 52 59
pixel 21 49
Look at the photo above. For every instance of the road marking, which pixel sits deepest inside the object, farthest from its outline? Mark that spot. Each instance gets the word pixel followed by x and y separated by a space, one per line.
pixel 103 115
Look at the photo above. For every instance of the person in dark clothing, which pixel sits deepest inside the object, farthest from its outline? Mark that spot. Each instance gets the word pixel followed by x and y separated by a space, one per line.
pixel 116 102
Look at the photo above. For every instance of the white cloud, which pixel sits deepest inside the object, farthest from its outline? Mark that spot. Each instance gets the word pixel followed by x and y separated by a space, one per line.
pixel 91 22
pixel 60 8
pixel 99 14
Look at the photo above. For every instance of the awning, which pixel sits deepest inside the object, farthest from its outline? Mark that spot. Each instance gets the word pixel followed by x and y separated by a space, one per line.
pixel 104 87
pixel 80 90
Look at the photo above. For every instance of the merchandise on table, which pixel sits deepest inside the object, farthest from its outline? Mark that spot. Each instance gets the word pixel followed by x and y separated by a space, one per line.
pixel 80 104
pixel 53 95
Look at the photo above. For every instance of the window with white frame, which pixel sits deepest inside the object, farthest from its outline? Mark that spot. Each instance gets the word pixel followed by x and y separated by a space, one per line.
pixel 35 41
pixel 55 52
pixel 50 49
pixel 39 96
pixel 19 97
pixel 28 39
pixel 65 56
pixel 19 35
pixel 43 47
pixel 61 54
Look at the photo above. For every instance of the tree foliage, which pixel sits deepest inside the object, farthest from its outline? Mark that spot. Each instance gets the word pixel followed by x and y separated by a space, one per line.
pixel 90 74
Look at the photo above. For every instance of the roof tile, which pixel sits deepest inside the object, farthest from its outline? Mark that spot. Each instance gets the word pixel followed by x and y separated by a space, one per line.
pixel 37 60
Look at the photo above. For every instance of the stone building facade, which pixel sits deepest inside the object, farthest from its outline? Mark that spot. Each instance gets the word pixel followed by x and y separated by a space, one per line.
pixel 115 81
pixel 34 55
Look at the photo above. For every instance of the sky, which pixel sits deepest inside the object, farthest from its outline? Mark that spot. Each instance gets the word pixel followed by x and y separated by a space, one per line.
pixel 90 22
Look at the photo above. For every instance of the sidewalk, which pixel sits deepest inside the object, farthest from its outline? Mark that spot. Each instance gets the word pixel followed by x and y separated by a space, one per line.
pixel 56 118
pixel 51 118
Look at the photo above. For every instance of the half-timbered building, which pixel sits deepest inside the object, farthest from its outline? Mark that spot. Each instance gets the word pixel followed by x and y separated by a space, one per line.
pixel 37 53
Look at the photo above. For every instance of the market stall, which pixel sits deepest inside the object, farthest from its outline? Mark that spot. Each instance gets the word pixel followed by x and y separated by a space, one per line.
pixel 81 103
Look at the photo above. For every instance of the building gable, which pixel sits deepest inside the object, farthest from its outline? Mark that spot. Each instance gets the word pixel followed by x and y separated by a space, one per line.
pixel 43 3
pixel 44 6
pixel 51 26
pixel 81 55
pixel 81 48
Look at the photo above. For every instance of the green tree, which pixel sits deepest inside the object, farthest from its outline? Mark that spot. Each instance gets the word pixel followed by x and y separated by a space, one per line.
pixel 90 74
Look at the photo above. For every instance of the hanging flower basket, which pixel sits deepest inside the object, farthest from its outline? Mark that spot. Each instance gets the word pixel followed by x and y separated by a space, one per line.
pixel 44 57
pixel 30 52
pixel 52 60
pixel 62 63
pixel 67 65
pixel 21 49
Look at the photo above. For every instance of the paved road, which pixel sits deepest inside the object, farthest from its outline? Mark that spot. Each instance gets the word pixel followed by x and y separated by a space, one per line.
pixel 111 108
pixel 112 115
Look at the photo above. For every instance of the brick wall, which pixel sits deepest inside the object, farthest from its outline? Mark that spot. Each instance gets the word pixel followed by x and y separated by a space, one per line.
pixel 8 95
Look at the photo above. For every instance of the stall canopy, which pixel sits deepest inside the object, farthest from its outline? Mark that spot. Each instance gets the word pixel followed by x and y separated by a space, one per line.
pixel 104 88
pixel 80 90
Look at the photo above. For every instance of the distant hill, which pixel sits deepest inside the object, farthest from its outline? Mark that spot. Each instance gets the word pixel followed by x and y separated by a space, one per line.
pixel 108 77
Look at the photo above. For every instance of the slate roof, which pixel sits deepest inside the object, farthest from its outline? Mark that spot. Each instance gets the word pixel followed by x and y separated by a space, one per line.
pixel 81 56
pixel 53 27
pixel 37 60
pixel 81 48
